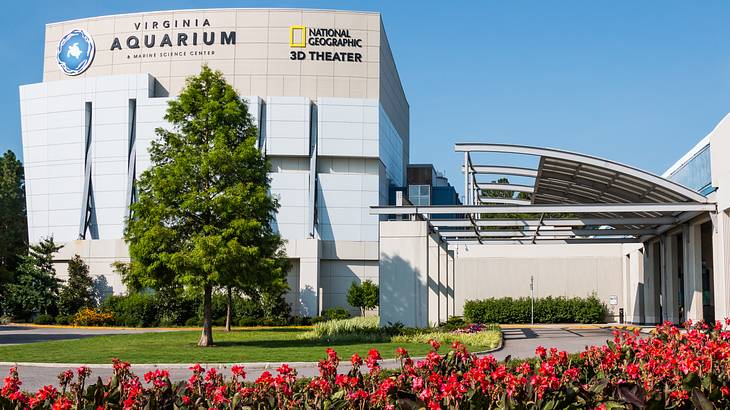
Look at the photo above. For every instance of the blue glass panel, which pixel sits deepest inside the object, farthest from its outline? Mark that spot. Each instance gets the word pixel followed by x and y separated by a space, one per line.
pixel 696 173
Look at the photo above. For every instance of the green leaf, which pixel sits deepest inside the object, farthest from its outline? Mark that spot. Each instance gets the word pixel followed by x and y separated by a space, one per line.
pixel 700 401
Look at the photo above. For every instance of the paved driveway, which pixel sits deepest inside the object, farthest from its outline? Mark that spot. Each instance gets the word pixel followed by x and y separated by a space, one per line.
pixel 518 342
pixel 10 334
pixel 521 342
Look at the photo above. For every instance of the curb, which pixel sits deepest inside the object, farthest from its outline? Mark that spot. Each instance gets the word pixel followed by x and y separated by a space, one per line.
pixel 550 326
pixel 251 365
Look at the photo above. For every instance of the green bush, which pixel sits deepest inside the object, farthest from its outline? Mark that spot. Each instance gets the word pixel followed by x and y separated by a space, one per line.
pixel 63 320
pixel 248 321
pixel 134 310
pixel 336 314
pixel 181 308
pixel 547 310
pixel 44 320
pixel 300 321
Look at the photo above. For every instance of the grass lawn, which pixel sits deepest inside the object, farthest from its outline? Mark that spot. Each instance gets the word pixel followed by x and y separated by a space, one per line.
pixel 238 346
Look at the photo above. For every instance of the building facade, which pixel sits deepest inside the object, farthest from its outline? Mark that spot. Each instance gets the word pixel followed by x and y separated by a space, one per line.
pixel 322 87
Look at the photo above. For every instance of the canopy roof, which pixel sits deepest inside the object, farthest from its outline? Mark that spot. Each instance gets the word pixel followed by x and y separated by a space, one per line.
pixel 573 198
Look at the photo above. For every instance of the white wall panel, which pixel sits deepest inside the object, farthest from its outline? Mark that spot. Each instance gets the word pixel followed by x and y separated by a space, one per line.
pixel 287 126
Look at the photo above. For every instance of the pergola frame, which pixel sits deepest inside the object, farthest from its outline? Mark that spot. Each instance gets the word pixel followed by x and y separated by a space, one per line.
pixel 575 198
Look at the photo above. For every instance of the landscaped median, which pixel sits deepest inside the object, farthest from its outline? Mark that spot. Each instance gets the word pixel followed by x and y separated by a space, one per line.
pixel 668 369
pixel 283 344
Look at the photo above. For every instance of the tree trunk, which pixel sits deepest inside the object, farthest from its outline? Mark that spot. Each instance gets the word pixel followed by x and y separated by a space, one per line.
pixel 229 302
pixel 206 337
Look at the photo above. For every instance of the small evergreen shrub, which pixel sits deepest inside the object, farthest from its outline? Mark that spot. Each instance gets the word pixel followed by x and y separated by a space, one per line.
pixel 63 320
pixel 336 314
pixel 547 310
pixel 44 320
pixel 248 321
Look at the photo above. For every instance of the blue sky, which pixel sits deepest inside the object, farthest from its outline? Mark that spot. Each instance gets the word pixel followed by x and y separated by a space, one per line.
pixel 637 82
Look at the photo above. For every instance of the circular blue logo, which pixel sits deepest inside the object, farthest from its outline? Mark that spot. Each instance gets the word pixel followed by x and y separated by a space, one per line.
pixel 75 52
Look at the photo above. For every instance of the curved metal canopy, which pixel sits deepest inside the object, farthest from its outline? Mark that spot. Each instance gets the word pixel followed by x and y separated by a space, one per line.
pixel 569 177
pixel 575 198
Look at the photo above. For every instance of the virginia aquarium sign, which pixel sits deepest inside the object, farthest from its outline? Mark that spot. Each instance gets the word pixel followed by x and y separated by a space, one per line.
pixel 164 39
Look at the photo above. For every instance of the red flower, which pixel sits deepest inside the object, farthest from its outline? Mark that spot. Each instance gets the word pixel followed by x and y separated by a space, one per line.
pixel 356 360
pixel 238 371
pixel 540 351
pixel 434 344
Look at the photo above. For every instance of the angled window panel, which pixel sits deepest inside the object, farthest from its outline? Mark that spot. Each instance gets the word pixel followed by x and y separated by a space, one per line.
pixel 87 218
pixel 131 157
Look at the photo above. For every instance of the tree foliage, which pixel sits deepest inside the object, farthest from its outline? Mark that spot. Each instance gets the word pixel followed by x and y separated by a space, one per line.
pixel 203 216
pixel 79 290
pixel 13 223
pixel 34 288
pixel 364 296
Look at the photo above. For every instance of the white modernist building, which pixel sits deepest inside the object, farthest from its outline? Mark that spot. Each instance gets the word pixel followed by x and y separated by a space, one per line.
pixel 322 87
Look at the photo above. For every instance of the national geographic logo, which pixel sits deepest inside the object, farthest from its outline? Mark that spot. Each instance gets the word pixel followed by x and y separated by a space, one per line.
pixel 301 37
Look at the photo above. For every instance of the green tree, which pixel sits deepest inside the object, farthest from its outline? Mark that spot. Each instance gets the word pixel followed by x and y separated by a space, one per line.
pixel 364 296
pixel 34 288
pixel 13 222
pixel 203 215
pixel 79 289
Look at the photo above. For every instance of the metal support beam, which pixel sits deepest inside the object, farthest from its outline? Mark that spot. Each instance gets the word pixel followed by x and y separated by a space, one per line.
pixel 556 222
pixel 545 234
pixel 499 170
pixel 506 187
pixel 541 208
pixel 537 229
pixel 511 201
pixel 453 243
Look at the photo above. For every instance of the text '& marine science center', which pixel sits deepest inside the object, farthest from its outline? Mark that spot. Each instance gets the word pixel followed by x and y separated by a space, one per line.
pixel 333 119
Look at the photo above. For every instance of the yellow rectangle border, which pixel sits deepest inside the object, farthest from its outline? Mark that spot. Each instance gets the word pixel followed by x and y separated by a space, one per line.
pixel 304 36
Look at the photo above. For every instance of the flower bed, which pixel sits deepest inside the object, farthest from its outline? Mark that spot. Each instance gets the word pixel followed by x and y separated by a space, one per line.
pixel 487 336
pixel 669 369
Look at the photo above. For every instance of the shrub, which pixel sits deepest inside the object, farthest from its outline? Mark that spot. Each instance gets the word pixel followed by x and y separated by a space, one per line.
pixel 274 321
pixel 336 314
pixel 300 321
pixel 547 310
pixel 247 321
pixel 92 317
pixel 44 320
pixel 63 320
pixel 134 310
pixel 193 322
